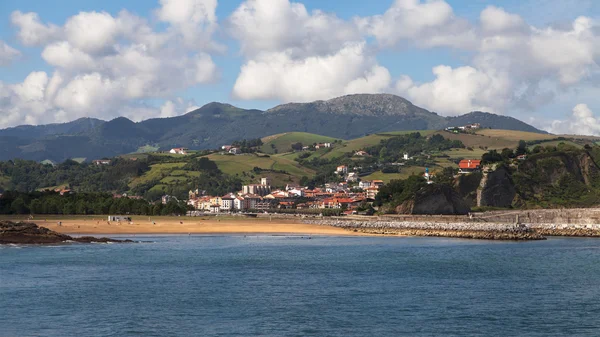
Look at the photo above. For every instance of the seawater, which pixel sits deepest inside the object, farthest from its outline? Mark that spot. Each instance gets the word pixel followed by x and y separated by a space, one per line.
pixel 296 286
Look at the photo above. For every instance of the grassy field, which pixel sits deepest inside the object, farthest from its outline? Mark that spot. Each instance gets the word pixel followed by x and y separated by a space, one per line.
pixel 147 148
pixel 387 177
pixel 476 153
pixel 157 172
pixel 243 165
pixel 494 139
pixel 283 141
pixel 357 144
pixel 556 143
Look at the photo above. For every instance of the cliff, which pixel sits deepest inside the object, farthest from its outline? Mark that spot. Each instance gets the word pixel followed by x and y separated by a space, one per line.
pixel 497 188
pixel 434 199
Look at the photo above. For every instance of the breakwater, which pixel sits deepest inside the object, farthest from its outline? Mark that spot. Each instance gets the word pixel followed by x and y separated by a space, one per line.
pixel 467 230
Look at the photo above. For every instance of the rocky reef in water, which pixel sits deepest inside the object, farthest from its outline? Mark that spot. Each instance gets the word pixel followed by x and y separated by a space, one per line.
pixel 30 233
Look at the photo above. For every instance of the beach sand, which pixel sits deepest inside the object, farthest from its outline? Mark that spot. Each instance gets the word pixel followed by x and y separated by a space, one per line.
pixel 187 225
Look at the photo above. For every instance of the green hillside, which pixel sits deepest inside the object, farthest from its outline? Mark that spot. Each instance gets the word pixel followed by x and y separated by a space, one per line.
pixel 282 142
pixel 154 174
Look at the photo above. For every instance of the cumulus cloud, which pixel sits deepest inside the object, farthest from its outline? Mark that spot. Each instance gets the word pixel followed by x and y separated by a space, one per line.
pixel 456 91
pixel 279 75
pixel 276 25
pixel 429 23
pixel 581 122
pixel 296 55
pixel 7 54
pixel 106 66
pixel 515 66
pixel 31 31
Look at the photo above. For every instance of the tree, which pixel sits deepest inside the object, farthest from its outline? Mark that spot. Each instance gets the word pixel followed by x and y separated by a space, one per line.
pixel 297 146
pixel 522 148
pixel 18 206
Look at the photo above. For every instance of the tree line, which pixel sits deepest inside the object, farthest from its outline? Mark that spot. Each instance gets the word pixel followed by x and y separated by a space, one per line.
pixel 13 202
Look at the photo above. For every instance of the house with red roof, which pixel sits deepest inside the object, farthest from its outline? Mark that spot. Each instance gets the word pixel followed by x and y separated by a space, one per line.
pixel 469 166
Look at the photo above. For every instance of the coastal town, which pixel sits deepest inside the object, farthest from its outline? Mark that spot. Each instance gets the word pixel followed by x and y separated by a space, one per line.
pixel 263 197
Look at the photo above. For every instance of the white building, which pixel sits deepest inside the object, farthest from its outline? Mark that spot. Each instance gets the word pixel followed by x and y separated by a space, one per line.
pixel 364 184
pixel 179 150
pixel 227 203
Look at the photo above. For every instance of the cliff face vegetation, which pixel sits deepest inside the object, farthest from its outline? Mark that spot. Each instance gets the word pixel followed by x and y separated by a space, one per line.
pixel 567 178
pixel 497 188
pixel 555 179
pixel 434 199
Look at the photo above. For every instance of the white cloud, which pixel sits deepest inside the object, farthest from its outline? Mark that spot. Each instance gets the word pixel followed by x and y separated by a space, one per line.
pixel 515 66
pixel 277 25
pixel 31 31
pixel 581 122
pixel 107 66
pixel 278 75
pixel 429 23
pixel 177 107
pixel 457 91
pixel 7 54
pixel 194 20
pixel 92 32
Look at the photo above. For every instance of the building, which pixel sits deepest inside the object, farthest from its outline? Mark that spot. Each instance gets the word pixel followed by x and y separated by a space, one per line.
pixel 235 150
pixel 522 157
pixel 179 150
pixel 473 126
pixel 361 153
pixel 342 169
pixel 226 147
pixel 371 192
pixel 322 145
pixel 352 177
pixel 266 181
pixel 101 162
pixel 377 183
pixel 469 166
pixel 257 189
pixel 227 202
pixel 364 184
pixel 166 198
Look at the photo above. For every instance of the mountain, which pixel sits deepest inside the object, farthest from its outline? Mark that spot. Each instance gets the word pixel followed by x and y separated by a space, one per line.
pixel 488 120
pixel 215 124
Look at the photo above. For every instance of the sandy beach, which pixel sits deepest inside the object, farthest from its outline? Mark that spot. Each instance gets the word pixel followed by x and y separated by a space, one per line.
pixel 184 225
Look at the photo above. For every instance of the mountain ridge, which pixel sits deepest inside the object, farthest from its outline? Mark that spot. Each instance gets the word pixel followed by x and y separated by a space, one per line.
pixel 215 123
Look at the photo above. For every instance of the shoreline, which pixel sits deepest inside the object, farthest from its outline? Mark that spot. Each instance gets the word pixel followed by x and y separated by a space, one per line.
pixel 231 225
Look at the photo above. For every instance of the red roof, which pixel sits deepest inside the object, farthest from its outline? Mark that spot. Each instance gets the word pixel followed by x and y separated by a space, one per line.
pixel 469 164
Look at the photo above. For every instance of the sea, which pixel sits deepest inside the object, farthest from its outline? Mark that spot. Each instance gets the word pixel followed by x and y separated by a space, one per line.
pixel 264 285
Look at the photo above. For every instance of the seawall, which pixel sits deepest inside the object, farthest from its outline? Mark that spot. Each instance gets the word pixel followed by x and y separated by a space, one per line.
pixel 486 231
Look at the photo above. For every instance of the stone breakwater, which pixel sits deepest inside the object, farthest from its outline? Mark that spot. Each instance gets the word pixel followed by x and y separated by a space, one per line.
pixel 484 231
pixel 577 230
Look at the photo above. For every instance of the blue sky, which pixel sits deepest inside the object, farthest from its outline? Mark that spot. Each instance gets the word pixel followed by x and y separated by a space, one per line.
pixel 535 60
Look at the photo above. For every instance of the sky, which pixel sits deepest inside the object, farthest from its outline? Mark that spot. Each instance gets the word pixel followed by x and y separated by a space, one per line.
pixel 536 60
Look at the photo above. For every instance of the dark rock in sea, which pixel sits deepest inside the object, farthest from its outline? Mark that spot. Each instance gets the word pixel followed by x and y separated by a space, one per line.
pixel 30 233
pixel 435 199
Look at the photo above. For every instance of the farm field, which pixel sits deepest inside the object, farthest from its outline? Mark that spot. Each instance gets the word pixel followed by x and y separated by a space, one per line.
pixel 283 142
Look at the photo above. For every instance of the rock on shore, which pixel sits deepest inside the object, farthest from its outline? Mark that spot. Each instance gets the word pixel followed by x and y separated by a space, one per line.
pixel 30 233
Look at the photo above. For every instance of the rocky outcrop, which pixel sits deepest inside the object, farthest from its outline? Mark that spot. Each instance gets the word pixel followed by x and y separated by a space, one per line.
pixel 435 199
pixel 30 233
pixel 497 188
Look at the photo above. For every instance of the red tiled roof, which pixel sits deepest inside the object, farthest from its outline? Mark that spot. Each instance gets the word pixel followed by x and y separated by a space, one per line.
pixel 469 164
